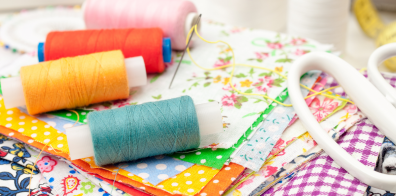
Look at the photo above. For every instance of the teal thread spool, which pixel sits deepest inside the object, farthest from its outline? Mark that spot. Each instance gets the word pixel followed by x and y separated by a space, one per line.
pixel 145 129
pixel 133 132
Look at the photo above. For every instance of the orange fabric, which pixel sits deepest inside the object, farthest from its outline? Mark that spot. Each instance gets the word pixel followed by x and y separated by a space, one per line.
pixel 222 180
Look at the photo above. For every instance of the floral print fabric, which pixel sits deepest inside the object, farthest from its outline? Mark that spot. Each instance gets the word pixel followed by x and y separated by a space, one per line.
pixel 252 154
pixel 16 167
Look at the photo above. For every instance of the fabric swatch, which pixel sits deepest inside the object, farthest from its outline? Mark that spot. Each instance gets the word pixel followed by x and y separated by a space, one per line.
pixel 16 167
pixel 32 127
pixel 71 116
pixel 58 123
pixel 109 188
pixel 324 176
pixel 156 169
pixel 386 164
pixel 287 171
pixel 222 180
pixel 281 158
pixel 318 87
pixel 216 157
pixel 105 173
pixel 252 154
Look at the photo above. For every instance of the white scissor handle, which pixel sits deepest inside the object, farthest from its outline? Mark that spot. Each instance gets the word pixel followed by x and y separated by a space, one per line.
pixel 369 100
pixel 377 57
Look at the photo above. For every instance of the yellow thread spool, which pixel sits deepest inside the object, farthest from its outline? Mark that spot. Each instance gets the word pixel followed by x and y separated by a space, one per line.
pixel 374 27
pixel 75 82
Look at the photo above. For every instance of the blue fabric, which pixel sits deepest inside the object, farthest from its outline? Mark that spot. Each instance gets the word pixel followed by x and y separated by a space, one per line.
pixel 254 153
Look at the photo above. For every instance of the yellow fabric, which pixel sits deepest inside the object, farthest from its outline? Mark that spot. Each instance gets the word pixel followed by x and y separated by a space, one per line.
pixel 32 127
pixel 191 181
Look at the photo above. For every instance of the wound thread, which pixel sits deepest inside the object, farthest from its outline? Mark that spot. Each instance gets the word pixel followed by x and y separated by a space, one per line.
pixel 168 15
pixel 154 128
pixel 132 42
pixel 74 82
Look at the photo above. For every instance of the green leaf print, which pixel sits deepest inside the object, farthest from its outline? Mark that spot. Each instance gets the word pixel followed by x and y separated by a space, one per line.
pixel 251 72
pixel 266 74
pixel 241 75
pixel 285 60
pixel 155 78
pixel 278 82
pixel 157 97
pixel 207 84
pixel 249 91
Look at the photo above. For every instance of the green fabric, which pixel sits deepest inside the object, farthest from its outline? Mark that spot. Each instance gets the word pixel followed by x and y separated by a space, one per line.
pixel 1 92
pixel 68 115
pixel 217 157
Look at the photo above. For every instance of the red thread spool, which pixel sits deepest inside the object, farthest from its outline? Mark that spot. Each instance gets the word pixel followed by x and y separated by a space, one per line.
pixel 132 43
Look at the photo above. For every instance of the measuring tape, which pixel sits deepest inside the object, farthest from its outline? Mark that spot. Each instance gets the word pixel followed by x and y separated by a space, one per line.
pixel 374 27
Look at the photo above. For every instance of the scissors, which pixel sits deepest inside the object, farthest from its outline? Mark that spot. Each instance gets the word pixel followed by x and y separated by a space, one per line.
pixel 376 99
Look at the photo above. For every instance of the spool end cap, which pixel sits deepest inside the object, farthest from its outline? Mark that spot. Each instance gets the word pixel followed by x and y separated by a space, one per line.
pixel 136 71
pixel 40 51
pixel 167 49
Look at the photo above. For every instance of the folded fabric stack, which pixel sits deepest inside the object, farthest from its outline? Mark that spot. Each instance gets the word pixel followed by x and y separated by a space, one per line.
pixel 264 148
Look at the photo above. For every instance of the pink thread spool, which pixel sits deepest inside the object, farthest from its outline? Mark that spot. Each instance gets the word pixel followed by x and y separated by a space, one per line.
pixel 174 17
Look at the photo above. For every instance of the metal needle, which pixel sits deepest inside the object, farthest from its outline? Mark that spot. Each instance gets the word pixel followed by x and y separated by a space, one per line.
pixel 184 51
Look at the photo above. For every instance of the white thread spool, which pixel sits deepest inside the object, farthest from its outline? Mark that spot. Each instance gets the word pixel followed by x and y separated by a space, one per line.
pixel 13 90
pixel 80 140
pixel 260 14
pixel 325 21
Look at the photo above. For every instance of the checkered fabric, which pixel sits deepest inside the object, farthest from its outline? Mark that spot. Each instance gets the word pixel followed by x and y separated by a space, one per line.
pixel 322 176
pixel 390 78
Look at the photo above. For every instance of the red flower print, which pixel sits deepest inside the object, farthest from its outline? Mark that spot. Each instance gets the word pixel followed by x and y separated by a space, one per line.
pixel 228 87
pixel 280 144
pixel 3 154
pixel 228 100
pixel 300 52
pixel 321 110
pixel 121 103
pixel 221 62
pixel 264 84
pixel 46 164
pixel 261 55
pixel 268 170
pixel 275 45
pixel 246 182
pixel 298 41
pixel 351 109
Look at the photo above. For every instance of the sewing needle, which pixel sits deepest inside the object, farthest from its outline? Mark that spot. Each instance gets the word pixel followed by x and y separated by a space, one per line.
pixel 184 51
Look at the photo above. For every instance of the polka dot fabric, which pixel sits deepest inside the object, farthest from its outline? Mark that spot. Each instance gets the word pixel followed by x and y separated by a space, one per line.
pixel 188 182
pixel 156 169
pixel 222 180
pixel 82 115
pixel 191 181
pixel 32 127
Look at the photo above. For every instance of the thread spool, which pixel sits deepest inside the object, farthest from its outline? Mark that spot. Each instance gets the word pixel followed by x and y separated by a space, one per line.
pixel 148 43
pixel 74 82
pixel 242 14
pixel 325 21
pixel 174 17
pixel 172 118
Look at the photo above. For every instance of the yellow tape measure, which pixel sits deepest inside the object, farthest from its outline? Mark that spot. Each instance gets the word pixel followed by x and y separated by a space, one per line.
pixel 374 27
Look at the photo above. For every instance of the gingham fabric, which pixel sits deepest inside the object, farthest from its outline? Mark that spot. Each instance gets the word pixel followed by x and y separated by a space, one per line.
pixel 323 176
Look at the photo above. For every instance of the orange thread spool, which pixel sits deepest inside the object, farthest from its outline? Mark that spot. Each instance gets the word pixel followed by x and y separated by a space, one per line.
pixel 74 82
